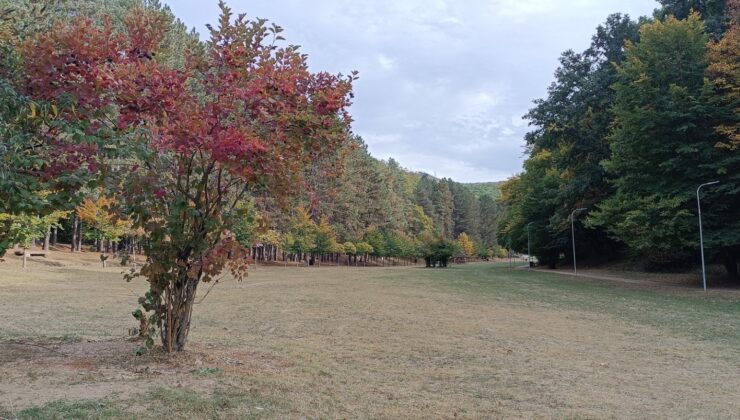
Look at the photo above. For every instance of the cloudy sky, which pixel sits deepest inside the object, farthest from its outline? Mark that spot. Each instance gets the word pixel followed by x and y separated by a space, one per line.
pixel 443 83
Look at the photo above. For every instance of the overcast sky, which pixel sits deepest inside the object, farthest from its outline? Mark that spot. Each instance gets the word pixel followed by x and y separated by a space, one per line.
pixel 443 83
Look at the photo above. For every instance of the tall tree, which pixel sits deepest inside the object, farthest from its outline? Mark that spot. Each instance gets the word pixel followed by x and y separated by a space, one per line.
pixel 443 208
pixel 567 144
pixel 713 12
pixel 663 148
pixel 489 215
pixel 724 70
pixel 465 212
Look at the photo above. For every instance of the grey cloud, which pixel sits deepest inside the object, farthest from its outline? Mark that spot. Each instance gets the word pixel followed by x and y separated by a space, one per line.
pixel 443 84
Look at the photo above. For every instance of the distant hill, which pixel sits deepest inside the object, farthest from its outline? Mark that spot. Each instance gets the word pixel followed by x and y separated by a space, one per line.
pixel 485 188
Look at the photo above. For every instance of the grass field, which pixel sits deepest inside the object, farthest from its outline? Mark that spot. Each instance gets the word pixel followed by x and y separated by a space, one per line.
pixel 472 341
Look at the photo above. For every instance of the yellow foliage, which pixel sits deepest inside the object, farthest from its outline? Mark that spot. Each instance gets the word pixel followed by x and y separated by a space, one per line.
pixel 101 216
pixel 724 70
pixel 466 244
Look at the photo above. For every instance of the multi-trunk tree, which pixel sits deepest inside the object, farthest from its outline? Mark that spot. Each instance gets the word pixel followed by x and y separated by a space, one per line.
pixel 242 113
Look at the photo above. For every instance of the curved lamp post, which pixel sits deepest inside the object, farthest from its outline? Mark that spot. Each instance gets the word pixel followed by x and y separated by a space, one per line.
pixel 573 237
pixel 701 233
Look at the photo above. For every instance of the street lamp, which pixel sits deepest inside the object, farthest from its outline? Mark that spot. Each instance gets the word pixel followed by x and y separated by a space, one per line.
pixel 573 237
pixel 529 250
pixel 701 233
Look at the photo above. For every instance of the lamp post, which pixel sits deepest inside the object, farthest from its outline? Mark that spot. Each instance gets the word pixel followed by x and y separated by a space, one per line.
pixel 701 233
pixel 529 249
pixel 573 237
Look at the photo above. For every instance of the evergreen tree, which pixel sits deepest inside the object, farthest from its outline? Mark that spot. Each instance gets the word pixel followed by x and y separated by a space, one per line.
pixel 489 215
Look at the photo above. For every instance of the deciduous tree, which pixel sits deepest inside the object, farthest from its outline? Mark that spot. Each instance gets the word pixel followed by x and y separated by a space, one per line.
pixel 242 113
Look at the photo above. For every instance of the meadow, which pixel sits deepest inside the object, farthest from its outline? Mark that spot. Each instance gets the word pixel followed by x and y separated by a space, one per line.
pixel 471 341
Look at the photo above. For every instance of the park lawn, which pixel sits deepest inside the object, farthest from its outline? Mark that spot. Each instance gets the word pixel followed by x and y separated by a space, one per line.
pixel 476 340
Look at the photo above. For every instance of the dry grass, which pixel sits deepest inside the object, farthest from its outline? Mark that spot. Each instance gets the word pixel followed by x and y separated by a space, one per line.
pixel 472 341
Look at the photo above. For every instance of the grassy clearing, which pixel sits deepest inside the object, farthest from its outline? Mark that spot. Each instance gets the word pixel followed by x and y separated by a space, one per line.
pixel 479 340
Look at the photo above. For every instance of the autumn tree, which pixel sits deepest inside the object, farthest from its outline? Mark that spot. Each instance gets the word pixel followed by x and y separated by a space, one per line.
pixel 466 245
pixel 104 223
pixel 242 113
pixel 300 239
pixel 724 71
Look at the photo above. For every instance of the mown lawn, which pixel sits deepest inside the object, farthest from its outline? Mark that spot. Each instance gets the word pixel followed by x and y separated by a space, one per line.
pixel 478 340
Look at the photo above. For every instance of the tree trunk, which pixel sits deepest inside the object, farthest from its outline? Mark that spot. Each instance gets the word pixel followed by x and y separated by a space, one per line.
pixel 179 301
pixel 47 239
pixel 54 236
pixel 74 233
pixel 78 246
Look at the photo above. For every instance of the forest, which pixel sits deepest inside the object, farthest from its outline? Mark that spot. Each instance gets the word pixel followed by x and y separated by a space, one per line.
pixel 124 133
pixel 628 131
pixel 346 202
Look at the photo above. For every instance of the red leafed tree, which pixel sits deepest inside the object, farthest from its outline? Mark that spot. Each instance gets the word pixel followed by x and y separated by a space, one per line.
pixel 243 114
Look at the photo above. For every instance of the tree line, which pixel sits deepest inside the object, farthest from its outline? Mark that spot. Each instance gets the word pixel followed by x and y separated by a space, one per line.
pixel 629 129
pixel 121 129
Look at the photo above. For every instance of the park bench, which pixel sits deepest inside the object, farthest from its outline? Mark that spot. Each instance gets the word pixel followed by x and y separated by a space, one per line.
pixel 37 254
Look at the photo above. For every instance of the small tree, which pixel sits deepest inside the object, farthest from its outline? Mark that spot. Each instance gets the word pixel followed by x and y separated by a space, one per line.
pixel 24 229
pixel 466 245
pixel 302 233
pixel 364 249
pixel 325 240
pixel 350 249
pixel 240 114
pixel 104 223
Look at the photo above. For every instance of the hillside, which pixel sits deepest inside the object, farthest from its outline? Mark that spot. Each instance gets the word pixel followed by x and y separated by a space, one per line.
pixel 485 188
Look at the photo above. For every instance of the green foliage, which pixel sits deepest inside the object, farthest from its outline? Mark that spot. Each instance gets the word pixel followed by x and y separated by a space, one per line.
pixel 714 13
pixel 24 228
pixel 301 236
pixel 325 240
pixel 245 224
pixel 465 211
pixel 350 248
pixel 376 240
pixel 437 251
pixel 567 145
pixel 663 146
pixel 364 248
pixel 480 189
